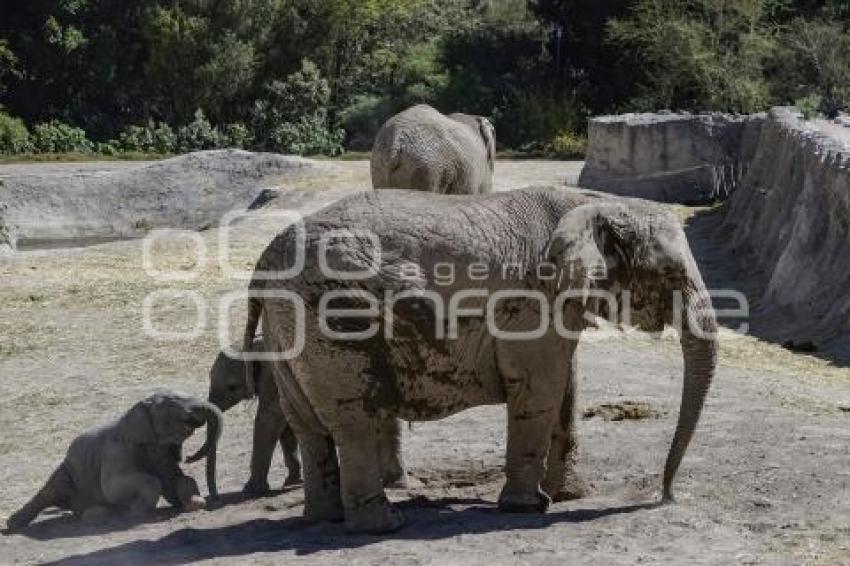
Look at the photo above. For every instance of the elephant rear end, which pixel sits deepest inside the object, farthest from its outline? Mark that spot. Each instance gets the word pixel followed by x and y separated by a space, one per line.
pixel 421 149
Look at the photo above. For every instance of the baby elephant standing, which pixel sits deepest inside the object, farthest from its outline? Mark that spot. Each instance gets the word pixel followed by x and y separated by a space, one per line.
pixel 228 386
pixel 129 464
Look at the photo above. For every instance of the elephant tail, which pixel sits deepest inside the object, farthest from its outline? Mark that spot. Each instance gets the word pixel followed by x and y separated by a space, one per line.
pixel 255 311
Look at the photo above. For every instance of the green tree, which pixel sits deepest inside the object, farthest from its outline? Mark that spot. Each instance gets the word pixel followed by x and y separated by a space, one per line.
pixel 700 54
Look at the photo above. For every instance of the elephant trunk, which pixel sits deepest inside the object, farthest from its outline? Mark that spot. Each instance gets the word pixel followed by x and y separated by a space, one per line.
pixel 215 422
pixel 699 349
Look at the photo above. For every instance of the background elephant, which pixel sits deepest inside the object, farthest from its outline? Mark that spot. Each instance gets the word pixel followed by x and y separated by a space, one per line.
pixel 423 371
pixel 424 150
pixel 229 386
pixel 129 464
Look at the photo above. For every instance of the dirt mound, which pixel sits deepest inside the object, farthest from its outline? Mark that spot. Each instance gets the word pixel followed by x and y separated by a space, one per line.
pixel 680 158
pixel 189 192
pixel 790 220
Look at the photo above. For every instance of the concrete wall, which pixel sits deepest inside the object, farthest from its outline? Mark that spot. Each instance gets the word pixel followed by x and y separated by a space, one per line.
pixel 790 219
pixel 684 158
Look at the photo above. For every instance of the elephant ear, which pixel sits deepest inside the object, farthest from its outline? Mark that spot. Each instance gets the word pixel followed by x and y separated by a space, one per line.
pixel 488 134
pixel 619 248
pixel 137 426
pixel 588 245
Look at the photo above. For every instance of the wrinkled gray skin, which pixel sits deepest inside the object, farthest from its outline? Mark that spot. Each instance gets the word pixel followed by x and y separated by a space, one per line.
pixel 129 464
pixel 229 386
pixel 424 150
pixel 346 387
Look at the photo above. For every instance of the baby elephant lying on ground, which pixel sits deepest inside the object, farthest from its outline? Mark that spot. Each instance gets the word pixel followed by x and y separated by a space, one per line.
pixel 129 464
pixel 228 387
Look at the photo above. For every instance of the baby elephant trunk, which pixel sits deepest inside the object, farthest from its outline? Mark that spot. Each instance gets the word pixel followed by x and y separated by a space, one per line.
pixel 215 422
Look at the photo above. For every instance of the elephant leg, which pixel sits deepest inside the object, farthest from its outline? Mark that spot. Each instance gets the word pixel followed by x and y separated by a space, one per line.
pixel 562 481
pixel 138 492
pixel 367 508
pixel 321 478
pixel 266 434
pixel 322 500
pixel 289 447
pixel 534 392
pixel 393 471
pixel 56 492
pixel 95 514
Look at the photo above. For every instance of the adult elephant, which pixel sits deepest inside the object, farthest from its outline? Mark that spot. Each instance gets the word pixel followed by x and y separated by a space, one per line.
pixel 424 150
pixel 443 306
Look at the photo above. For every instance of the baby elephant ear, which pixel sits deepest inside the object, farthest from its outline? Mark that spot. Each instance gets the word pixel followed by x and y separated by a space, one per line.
pixel 136 426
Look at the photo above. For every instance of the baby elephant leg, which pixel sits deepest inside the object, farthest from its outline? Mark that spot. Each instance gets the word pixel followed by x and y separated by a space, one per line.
pixel 188 494
pixel 135 491
pixel 57 492
pixel 267 426
pixel 95 514
pixel 289 446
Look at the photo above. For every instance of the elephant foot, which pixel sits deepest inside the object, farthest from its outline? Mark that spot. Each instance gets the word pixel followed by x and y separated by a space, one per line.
pixel 375 517
pixel 326 510
pixel 94 515
pixel 293 480
pixel 397 482
pixel 256 488
pixel 523 501
pixel 570 486
pixel 195 503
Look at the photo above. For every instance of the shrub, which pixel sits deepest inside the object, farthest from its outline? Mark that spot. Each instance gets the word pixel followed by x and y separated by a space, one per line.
pixel 292 116
pixel 307 136
pixel 236 135
pixel 567 145
pixel 59 137
pixel 809 106
pixel 527 120
pixel 14 136
pixel 199 135
pixel 107 148
pixel 152 138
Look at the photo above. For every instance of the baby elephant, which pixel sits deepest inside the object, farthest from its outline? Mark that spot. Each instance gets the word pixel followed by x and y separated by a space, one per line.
pixel 228 387
pixel 129 464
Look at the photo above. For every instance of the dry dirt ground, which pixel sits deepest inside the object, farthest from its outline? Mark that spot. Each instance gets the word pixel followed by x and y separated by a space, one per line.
pixel 766 481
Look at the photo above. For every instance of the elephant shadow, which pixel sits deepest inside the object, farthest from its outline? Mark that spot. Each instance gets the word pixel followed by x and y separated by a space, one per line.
pixel 64 525
pixel 427 520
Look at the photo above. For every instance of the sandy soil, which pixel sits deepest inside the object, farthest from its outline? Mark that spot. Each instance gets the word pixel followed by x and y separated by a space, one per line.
pixel 766 480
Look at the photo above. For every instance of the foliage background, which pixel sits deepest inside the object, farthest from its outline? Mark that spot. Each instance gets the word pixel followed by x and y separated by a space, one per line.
pixel 317 76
